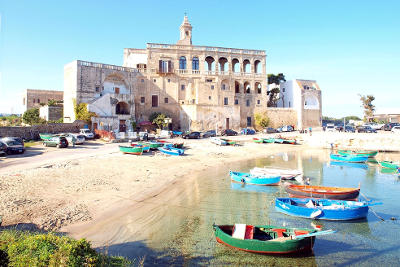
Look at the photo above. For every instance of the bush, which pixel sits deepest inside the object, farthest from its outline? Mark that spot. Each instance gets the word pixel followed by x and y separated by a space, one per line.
pixel 261 121
pixel 31 116
pixel 19 248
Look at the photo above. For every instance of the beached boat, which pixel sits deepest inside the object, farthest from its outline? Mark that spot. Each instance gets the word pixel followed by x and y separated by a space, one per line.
pixel 178 145
pixel 131 150
pixel 154 145
pixel 349 158
pixel 247 178
pixel 170 150
pixel 363 153
pixel 218 141
pixel 146 147
pixel 278 140
pixel 45 136
pixel 390 164
pixel 229 142
pixel 267 239
pixel 315 191
pixel 258 140
pixel 289 141
pixel 268 140
pixel 323 209
pixel 284 173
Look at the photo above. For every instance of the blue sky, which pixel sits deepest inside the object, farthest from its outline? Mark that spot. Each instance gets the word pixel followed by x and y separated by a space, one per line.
pixel 349 47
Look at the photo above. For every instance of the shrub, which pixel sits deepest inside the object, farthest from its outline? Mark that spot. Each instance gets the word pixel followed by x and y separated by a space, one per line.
pixel 261 120
pixel 19 248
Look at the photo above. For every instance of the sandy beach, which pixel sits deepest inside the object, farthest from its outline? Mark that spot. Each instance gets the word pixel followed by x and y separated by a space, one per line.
pixel 73 192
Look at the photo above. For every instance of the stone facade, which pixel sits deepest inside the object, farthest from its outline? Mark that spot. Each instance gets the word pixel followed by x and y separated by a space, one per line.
pixel 51 113
pixel 33 98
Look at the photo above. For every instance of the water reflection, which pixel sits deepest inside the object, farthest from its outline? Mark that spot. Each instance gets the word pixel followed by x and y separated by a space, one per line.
pixel 175 226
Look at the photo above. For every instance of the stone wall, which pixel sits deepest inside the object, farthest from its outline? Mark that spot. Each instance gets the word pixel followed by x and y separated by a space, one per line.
pixel 282 116
pixel 311 118
pixel 32 132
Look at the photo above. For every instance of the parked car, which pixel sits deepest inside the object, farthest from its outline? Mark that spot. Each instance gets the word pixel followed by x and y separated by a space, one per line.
pixel 350 129
pixel 330 127
pixel 377 126
pixel 248 131
pixel 87 133
pixel 70 138
pixel 191 135
pixel 210 133
pixel 3 149
pixel 270 130
pixel 388 126
pixel 80 139
pixel 229 132
pixel 286 128
pixel 396 129
pixel 13 144
pixel 57 141
pixel 365 129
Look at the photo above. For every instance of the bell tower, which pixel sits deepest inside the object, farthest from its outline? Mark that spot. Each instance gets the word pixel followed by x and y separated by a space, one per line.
pixel 185 32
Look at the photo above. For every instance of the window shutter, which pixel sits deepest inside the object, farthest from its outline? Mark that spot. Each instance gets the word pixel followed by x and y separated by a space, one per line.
pixel 160 66
pixel 169 66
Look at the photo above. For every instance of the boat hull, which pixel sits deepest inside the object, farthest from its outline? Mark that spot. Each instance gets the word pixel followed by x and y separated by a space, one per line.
pixel 246 178
pixel 171 151
pixel 131 150
pixel 285 174
pixel 289 246
pixel 369 154
pixel 349 158
pixel 302 191
pixel 389 164
pixel 338 210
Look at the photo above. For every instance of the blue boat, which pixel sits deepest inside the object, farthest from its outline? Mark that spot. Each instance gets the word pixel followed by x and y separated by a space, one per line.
pixel 169 149
pixel 279 140
pixel 349 158
pixel 247 178
pixel 323 209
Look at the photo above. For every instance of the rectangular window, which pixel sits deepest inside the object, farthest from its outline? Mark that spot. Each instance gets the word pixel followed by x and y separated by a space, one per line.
pixel 142 80
pixel 223 86
pixel 209 81
pixel 283 90
pixel 225 101
pixel 289 104
pixel 164 66
pixel 34 101
pixel 142 100
pixel 248 103
pixel 212 87
pixel 258 101
pixel 169 80
pixel 154 80
pixel 166 100
pixel 116 89
pixel 182 87
pixel 97 88
pixel 248 121
pixel 236 101
pixel 38 100
pixel 209 97
pixel 154 101
pixel 193 101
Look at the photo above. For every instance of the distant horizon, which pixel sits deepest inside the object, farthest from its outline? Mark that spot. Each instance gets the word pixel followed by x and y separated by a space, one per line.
pixel 345 51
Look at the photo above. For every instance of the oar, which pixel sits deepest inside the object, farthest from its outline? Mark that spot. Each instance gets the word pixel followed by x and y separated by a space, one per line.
pixel 326 232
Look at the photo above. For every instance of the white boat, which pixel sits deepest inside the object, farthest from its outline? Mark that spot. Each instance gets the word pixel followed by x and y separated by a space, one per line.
pixel 218 141
pixel 284 173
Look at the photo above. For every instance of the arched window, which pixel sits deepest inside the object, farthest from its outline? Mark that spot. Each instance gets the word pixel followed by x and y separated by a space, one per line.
pixel 246 66
pixel 122 108
pixel 195 63
pixel 182 63
pixel 258 87
pixel 257 66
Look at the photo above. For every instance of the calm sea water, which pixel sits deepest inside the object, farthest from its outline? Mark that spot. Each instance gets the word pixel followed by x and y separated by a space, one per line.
pixel 178 229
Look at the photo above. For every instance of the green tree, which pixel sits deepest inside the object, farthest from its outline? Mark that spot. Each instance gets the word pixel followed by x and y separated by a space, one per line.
pixel 82 113
pixel 274 92
pixel 366 104
pixel 261 120
pixel 31 116
pixel 158 119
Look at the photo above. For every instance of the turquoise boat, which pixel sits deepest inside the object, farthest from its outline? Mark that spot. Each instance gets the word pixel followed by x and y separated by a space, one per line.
pixel 278 140
pixel 170 150
pixel 390 164
pixel 45 136
pixel 246 178
pixel 363 153
pixel 131 150
pixel 323 209
pixel 349 158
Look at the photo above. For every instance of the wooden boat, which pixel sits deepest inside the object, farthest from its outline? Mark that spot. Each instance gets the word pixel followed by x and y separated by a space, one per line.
pixel 131 150
pixel 146 147
pixel 258 140
pixel 228 141
pixel 278 140
pixel 268 140
pixel 390 164
pixel 315 191
pixel 289 141
pixel 218 141
pixel 154 145
pixel 246 178
pixel 45 136
pixel 363 153
pixel 178 145
pixel 267 239
pixel 349 158
pixel 323 209
pixel 284 173
pixel 170 150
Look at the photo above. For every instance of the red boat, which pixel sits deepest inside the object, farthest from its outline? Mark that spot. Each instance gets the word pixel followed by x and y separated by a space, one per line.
pixel 314 191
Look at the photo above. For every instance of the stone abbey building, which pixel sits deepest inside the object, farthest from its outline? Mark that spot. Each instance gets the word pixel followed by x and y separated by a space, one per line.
pixel 198 87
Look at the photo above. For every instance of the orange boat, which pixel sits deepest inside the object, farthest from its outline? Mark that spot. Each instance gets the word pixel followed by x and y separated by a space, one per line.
pixel 314 191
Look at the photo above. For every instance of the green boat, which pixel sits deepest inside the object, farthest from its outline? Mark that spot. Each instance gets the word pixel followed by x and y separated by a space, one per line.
pixel 363 153
pixel 45 136
pixel 258 140
pixel 269 140
pixel 131 150
pixel 154 145
pixel 390 164
pixel 229 142
pixel 267 239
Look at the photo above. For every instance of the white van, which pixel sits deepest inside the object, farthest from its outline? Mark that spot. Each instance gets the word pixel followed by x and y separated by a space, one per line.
pixel 330 127
pixel 87 133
